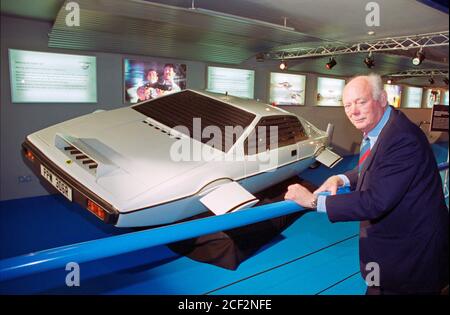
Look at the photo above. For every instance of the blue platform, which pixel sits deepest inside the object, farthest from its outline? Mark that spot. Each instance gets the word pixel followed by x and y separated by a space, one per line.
pixel 312 256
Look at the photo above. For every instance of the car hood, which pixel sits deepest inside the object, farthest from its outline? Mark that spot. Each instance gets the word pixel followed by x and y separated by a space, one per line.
pixel 135 149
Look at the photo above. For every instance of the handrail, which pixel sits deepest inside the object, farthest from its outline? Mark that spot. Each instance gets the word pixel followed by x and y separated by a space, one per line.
pixel 23 265
pixel 443 166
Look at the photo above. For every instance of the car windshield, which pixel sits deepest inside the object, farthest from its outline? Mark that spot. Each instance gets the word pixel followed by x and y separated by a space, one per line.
pixel 182 109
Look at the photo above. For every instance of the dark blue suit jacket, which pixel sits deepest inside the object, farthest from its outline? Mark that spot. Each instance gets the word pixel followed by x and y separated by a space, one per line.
pixel 399 200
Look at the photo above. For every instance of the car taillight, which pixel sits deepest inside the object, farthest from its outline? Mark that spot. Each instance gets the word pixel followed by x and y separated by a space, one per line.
pixel 96 209
pixel 29 155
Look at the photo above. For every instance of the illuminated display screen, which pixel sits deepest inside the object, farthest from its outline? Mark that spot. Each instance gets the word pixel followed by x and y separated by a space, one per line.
pixel 329 91
pixel 287 89
pixel 237 82
pixel 145 80
pixel 413 97
pixel 38 77
pixel 445 100
pixel 394 94
pixel 433 96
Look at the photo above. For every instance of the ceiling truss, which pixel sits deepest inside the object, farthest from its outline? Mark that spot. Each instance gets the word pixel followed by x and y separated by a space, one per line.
pixel 379 45
pixel 420 73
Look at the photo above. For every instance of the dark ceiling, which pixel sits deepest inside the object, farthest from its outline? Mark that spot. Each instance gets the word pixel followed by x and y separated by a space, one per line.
pixel 234 31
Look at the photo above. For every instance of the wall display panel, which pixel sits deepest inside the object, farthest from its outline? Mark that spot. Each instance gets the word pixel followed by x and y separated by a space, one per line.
pixel 394 94
pixel 237 82
pixel 413 97
pixel 287 89
pixel 329 91
pixel 445 98
pixel 433 97
pixel 145 80
pixel 42 77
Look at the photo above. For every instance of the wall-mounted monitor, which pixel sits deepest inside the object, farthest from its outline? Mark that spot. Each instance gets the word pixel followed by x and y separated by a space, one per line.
pixel 42 77
pixel 145 80
pixel 413 97
pixel 445 98
pixel 394 94
pixel 287 89
pixel 237 82
pixel 329 91
pixel 433 97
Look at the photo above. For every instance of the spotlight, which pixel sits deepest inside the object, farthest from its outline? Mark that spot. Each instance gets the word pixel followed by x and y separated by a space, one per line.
pixel 369 61
pixel 390 81
pixel 431 80
pixel 445 81
pixel 331 63
pixel 283 65
pixel 260 57
pixel 419 57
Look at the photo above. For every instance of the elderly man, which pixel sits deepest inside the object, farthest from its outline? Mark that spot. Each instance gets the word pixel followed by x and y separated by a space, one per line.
pixel 396 194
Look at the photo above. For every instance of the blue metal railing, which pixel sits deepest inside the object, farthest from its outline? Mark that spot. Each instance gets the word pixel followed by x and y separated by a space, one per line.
pixel 442 166
pixel 54 258
pixel 58 257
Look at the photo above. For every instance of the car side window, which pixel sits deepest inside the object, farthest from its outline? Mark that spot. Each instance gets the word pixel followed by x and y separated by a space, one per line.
pixel 262 138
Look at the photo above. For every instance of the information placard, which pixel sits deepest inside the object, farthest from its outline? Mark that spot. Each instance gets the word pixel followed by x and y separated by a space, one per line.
pixel 237 82
pixel 439 118
pixel 41 77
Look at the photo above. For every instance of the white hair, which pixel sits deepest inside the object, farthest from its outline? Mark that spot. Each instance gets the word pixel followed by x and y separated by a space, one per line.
pixel 376 83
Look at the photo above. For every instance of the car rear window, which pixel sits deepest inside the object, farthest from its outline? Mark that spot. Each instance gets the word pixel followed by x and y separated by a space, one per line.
pixel 179 109
pixel 289 131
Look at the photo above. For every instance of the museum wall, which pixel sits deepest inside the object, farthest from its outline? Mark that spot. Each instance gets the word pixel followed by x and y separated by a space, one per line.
pixel 19 120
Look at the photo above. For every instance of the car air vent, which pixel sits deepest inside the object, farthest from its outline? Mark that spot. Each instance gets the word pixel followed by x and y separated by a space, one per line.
pixel 89 154
pixel 80 156
pixel 162 130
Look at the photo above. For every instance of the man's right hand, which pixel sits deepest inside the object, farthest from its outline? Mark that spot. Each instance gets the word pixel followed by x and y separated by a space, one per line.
pixel 331 184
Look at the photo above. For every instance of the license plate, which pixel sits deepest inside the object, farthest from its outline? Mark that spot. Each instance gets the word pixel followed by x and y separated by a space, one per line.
pixel 61 186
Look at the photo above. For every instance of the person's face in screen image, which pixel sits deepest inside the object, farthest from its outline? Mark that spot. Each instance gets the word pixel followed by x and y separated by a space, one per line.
pixel 169 73
pixel 143 93
pixel 152 76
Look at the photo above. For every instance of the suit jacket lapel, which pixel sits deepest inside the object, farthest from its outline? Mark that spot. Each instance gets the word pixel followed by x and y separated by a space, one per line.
pixel 370 158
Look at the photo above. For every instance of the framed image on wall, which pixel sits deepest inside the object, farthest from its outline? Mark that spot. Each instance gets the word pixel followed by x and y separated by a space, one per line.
pixel 329 91
pixel 413 97
pixel 42 77
pixel 237 82
pixel 394 94
pixel 145 80
pixel 287 89
pixel 433 97
pixel 445 98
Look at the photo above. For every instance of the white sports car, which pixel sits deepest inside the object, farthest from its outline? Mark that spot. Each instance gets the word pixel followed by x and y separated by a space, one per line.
pixel 173 157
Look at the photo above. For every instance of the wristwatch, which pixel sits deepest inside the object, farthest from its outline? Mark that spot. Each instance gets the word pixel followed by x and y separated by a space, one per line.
pixel 314 202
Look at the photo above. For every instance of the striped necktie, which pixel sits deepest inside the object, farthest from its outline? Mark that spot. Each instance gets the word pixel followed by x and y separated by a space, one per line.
pixel 363 153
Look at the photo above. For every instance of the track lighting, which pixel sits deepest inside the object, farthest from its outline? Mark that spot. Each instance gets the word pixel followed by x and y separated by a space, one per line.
pixel 260 57
pixel 331 63
pixel 283 65
pixel 431 80
pixel 445 81
pixel 418 58
pixel 369 61
pixel 390 81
